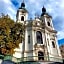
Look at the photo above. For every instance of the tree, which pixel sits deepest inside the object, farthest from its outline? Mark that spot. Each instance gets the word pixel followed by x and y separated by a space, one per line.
pixel 11 34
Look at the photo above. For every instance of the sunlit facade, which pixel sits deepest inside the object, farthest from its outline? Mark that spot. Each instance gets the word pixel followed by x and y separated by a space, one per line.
pixel 40 40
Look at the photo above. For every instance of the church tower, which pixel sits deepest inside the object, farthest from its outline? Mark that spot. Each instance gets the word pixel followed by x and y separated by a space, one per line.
pixel 22 13
pixel 45 43
pixel 41 40
pixel 47 19
pixel 21 17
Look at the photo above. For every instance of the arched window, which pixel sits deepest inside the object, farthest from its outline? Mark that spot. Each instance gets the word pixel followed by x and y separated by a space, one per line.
pixel 53 44
pixel 29 39
pixel 40 55
pixel 48 23
pixel 22 18
pixel 39 37
pixel 48 42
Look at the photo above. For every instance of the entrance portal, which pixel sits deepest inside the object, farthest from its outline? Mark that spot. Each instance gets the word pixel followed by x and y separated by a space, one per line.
pixel 40 55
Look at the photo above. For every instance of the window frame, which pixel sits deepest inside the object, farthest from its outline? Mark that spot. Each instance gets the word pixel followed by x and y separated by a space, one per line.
pixel 29 39
pixel 39 40
pixel 48 23
pixel 22 18
pixel 53 44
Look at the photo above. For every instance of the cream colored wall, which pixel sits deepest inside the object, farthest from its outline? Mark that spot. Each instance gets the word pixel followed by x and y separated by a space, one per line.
pixel 59 53
pixel 26 43
pixel 45 36
pixel 20 14
pixel 18 51
pixel 51 23
pixel 28 46
pixel 53 52
pixel 31 40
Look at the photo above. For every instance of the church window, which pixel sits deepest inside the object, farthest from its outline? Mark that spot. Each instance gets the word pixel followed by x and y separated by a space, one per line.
pixel 22 18
pixel 48 23
pixel 40 55
pixel 28 38
pixel 39 37
pixel 48 42
pixel 61 51
pixel 53 44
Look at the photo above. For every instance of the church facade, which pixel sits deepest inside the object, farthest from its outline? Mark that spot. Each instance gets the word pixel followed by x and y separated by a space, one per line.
pixel 40 40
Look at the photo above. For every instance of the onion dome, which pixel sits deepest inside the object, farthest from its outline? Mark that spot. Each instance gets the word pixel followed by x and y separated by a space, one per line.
pixel 43 10
pixel 23 5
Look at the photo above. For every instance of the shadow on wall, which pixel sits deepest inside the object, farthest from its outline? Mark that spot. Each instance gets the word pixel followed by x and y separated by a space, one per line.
pixel 28 62
pixel 7 62
pixel 63 61
pixel 57 62
pixel 35 62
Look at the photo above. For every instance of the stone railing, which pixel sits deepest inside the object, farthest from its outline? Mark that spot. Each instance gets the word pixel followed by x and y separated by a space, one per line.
pixel 13 60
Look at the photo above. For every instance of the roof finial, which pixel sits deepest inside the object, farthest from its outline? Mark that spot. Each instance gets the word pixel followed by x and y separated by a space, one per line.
pixel 23 4
pixel 43 6
pixel 43 9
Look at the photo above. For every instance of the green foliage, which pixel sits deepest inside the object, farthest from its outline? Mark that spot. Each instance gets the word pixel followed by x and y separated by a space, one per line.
pixel 11 34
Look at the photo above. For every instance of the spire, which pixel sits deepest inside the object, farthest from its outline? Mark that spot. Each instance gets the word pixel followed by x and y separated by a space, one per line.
pixel 23 4
pixel 43 11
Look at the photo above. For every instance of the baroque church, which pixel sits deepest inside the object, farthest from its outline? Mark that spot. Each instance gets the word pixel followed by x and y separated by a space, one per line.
pixel 40 39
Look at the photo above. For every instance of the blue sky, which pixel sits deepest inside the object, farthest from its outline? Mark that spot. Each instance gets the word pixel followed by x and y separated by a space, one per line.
pixel 54 7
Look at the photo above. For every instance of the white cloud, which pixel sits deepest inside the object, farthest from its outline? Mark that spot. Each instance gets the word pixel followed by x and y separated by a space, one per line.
pixel 7 1
pixel 11 10
pixel 60 34
pixel 56 9
pixel 53 7
pixel 32 1
pixel 7 8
